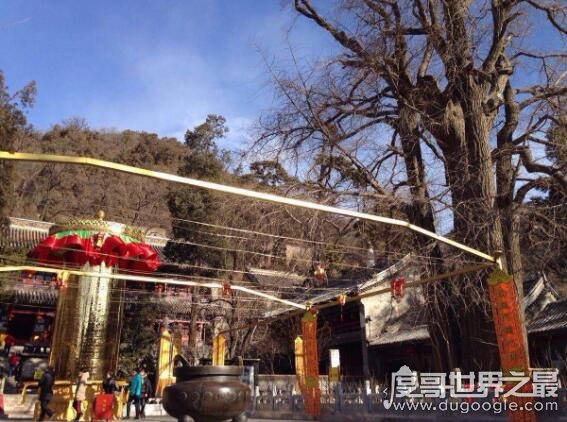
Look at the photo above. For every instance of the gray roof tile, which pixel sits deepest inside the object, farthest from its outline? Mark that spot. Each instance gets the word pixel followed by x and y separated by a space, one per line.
pixel 553 317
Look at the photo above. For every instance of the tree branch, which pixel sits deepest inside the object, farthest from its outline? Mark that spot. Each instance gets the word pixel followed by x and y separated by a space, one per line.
pixel 539 183
pixel 306 9
pixel 550 10
pixel 533 167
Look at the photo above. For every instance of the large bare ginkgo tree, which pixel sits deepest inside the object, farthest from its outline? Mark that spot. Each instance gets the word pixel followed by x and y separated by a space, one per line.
pixel 430 104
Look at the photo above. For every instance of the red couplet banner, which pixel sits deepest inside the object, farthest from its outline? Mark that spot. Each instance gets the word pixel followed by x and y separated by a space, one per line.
pixel 509 334
pixel 312 392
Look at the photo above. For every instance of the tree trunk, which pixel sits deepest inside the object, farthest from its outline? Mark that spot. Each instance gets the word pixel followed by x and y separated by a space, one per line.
pixel 420 212
pixel 475 222
pixel 505 184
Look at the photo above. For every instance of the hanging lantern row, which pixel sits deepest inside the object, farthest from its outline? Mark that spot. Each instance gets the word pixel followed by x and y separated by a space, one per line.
pixel 38 315
pixel 398 288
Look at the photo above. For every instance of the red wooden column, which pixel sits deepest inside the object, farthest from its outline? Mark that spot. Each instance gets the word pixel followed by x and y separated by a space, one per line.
pixel 509 335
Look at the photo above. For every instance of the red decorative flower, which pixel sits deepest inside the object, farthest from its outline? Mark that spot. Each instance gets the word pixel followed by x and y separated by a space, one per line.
pixel 111 250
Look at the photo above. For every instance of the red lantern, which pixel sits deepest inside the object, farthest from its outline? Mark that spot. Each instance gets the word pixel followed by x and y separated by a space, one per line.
pixel 38 316
pixel 398 286
pixel 226 289
pixel 320 274
pixel 11 315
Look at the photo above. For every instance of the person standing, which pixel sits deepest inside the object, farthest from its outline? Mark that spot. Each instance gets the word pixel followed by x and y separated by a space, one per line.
pixel 81 392
pixel 109 384
pixel 146 392
pixel 9 341
pixel 103 403
pixel 13 362
pixel 46 393
pixel 134 393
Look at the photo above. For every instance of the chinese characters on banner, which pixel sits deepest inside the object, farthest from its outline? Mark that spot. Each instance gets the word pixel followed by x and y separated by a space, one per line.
pixel 103 404
pixel 509 335
pixel 311 391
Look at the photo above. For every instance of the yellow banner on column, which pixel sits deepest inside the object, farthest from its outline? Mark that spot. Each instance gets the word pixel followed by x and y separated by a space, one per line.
pixel 165 362
pixel 299 363
pixel 219 345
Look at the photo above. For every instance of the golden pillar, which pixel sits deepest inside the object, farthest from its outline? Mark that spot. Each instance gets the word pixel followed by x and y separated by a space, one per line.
pixel 168 348
pixel 88 319
pixel 88 322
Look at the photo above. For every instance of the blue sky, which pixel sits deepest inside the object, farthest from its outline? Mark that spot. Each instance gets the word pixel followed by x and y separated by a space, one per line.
pixel 154 65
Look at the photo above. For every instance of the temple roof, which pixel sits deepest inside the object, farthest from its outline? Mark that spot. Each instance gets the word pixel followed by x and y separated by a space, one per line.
pixel 24 233
pixel 553 317
pixel 356 284
pixel 400 335
pixel 538 293
pixel 262 276
pixel 31 296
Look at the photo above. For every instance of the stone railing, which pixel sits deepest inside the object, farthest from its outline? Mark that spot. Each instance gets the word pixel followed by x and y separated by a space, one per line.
pixel 353 399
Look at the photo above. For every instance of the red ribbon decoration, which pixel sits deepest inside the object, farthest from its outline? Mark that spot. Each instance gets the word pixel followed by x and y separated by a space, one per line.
pixel 114 251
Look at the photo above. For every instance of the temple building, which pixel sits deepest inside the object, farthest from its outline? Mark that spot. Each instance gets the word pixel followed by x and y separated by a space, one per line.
pixel 28 300
pixel 378 334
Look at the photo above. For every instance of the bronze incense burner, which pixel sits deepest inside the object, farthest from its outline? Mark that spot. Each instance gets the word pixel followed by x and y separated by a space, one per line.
pixel 207 393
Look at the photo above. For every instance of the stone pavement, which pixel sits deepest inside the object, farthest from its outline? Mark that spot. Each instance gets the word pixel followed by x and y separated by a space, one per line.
pixel 170 419
pixel 354 417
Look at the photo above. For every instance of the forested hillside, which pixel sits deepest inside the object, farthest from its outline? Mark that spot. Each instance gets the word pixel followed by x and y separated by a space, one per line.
pixel 50 192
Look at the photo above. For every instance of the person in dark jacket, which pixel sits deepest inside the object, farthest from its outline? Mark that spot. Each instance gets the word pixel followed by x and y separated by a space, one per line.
pixel 46 393
pixel 146 392
pixel 13 362
pixel 109 384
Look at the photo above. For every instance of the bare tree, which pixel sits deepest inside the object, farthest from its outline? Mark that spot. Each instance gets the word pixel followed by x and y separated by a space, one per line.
pixel 457 86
